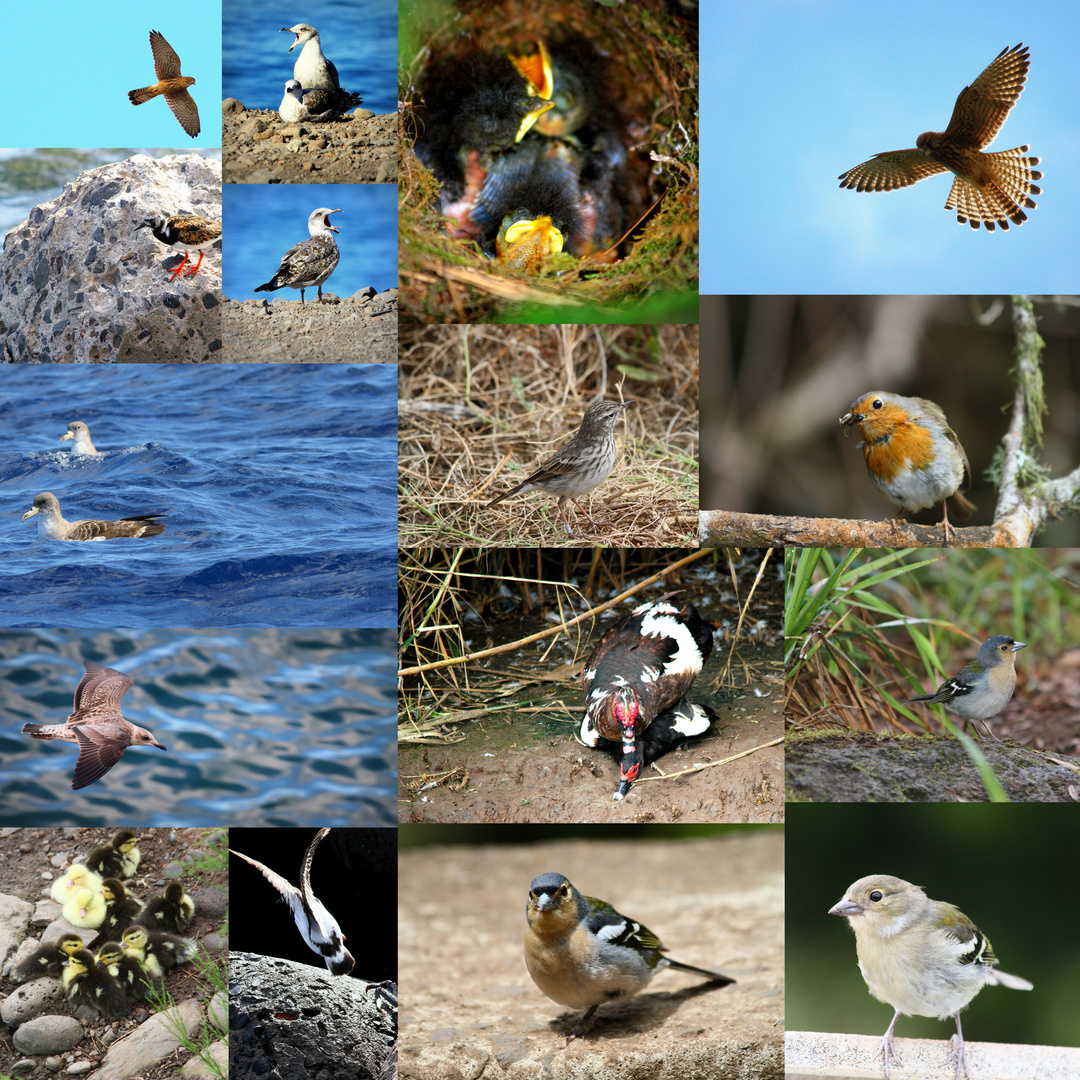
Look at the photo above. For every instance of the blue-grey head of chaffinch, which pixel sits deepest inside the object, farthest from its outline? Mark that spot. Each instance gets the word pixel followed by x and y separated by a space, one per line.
pixel 921 956
pixel 982 688
pixel 581 952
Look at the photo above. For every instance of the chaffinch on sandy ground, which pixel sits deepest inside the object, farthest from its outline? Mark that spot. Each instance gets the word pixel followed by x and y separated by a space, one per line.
pixel 982 688
pixel 912 455
pixel 581 952
pixel 921 956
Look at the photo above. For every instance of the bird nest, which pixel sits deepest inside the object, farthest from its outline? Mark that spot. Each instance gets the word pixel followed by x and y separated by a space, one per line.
pixel 651 70
pixel 480 407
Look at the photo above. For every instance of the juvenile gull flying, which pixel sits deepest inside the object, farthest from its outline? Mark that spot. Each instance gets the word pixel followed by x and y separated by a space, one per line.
pixel 80 433
pixel 318 927
pixel 171 84
pixel 96 725
pixel 310 262
pixel 312 68
pixel 314 105
pixel 183 232
pixel 52 526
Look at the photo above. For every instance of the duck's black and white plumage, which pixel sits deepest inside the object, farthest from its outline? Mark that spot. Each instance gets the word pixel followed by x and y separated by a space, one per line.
pixel 87 983
pixel 637 676
pixel 158 951
pixel 119 858
pixel 48 958
pixel 171 910
pixel 121 910
pixel 316 925
pixel 127 969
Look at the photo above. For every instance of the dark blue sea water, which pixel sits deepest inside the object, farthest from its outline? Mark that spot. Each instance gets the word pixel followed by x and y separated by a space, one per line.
pixel 278 482
pixel 359 37
pixel 263 727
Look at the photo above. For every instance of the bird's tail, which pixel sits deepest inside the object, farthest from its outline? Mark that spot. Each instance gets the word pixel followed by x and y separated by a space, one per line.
pixel 712 976
pixel 143 94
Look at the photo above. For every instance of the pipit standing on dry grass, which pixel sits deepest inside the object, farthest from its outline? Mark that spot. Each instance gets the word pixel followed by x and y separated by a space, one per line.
pixel 583 464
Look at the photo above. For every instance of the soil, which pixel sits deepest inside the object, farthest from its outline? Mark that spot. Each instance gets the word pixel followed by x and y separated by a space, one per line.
pixel 258 147
pixel 715 903
pixel 357 329
pixel 24 862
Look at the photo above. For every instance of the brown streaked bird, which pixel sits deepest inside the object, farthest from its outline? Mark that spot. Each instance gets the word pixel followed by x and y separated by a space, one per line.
pixel 311 261
pixel 583 464
pixel 53 526
pixel 171 84
pixel 96 724
pixel 183 232
pixel 989 189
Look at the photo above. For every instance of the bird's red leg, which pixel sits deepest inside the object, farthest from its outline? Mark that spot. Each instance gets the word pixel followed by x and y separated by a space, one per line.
pixel 193 272
pixel 176 273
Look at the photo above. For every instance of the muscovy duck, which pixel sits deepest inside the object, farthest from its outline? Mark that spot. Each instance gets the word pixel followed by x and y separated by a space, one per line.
pixel 637 678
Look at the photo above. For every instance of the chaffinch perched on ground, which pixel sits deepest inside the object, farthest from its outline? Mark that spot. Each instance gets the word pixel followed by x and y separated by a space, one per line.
pixel 921 956
pixel 982 688
pixel 912 455
pixel 581 952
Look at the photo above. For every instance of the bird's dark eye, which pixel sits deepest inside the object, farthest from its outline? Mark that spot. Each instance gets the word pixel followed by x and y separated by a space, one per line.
pixel 878 403
pixel 876 895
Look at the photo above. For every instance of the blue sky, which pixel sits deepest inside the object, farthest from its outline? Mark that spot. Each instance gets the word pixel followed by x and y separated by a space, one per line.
pixel 795 93
pixel 74 83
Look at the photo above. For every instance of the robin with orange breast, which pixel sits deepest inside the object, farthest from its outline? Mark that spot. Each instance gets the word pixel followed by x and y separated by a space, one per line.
pixel 912 455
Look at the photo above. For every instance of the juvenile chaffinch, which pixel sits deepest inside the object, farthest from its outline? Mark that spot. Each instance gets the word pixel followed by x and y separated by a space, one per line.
pixel 983 687
pixel 581 952
pixel 912 455
pixel 921 956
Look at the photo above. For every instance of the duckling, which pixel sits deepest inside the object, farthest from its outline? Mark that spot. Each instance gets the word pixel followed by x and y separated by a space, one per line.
pixel 85 983
pixel 122 909
pixel 48 958
pixel 127 969
pixel 173 910
pixel 85 908
pixel 160 951
pixel 117 859
pixel 77 876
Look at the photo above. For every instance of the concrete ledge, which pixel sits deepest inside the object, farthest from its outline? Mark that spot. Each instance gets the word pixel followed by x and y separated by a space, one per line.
pixel 810 1055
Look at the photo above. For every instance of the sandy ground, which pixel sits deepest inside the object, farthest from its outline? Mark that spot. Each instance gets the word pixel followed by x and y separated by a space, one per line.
pixel 358 329
pixel 470 1009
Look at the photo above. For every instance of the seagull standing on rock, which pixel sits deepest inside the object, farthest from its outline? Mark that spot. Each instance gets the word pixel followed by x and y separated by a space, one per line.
pixel 311 261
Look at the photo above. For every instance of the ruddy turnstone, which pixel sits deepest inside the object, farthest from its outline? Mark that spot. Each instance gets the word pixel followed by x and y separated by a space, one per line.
pixel 312 68
pixel 315 105
pixel 171 84
pixel 80 433
pixel 53 526
pixel 96 724
pixel 317 926
pixel 184 232
pixel 311 261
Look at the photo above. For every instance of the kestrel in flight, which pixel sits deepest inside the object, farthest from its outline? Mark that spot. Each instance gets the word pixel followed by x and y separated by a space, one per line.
pixel 989 189
pixel 170 83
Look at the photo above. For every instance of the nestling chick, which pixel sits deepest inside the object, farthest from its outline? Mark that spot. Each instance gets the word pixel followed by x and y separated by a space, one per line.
pixel 172 910
pixel 582 953
pixel 921 956
pixel 117 859
pixel 87 984
pixel 48 959
pixel 121 910
pixel 127 970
